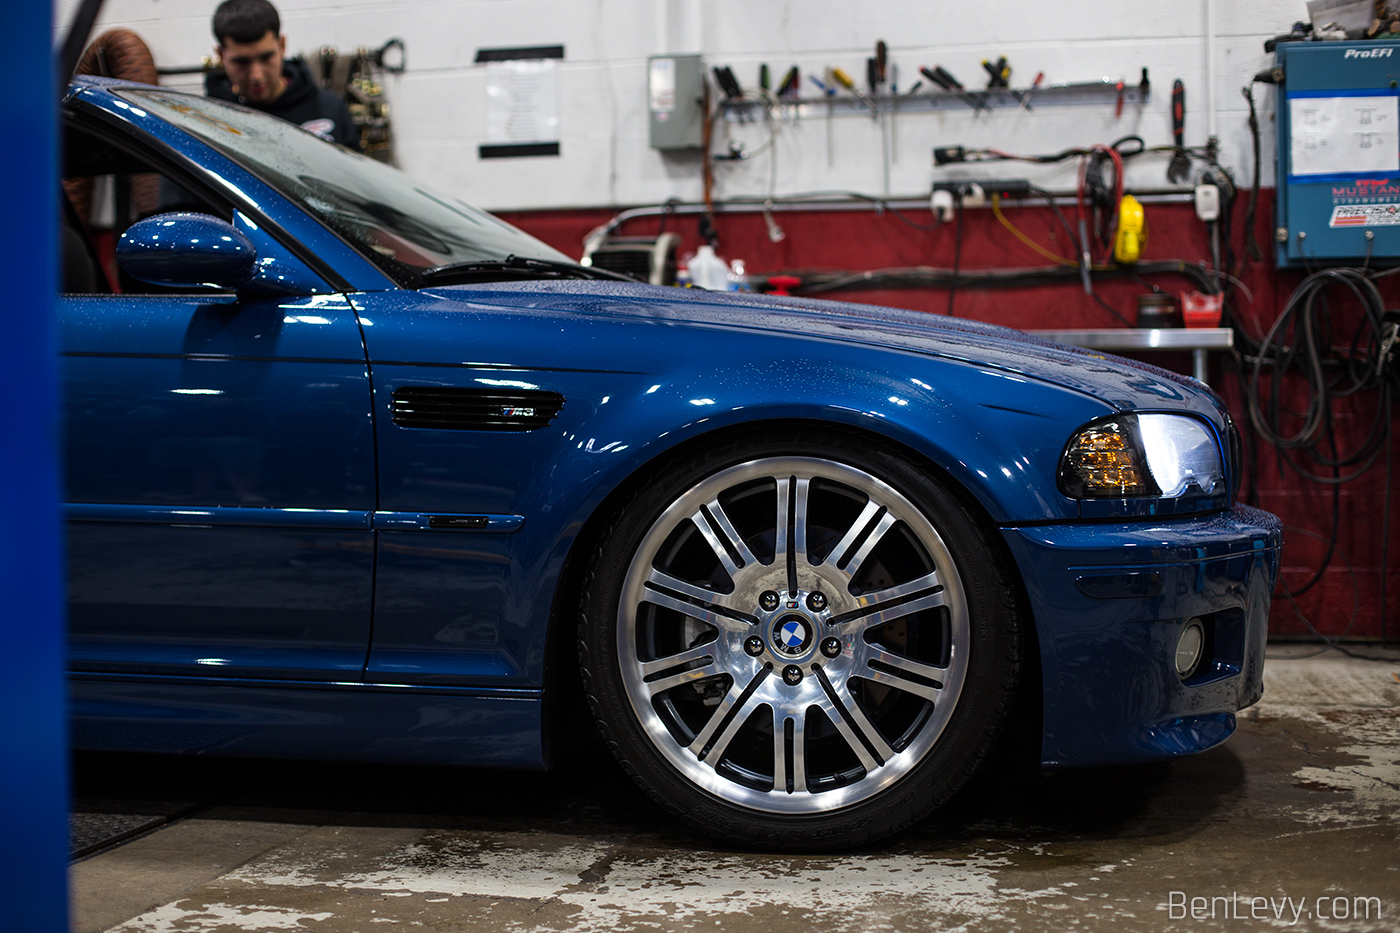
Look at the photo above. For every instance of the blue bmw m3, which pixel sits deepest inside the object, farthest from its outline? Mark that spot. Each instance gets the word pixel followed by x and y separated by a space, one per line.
pixel 355 471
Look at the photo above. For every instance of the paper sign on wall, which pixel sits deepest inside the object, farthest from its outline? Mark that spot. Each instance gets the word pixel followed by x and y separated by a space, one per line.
pixel 1344 135
pixel 522 113
pixel 520 102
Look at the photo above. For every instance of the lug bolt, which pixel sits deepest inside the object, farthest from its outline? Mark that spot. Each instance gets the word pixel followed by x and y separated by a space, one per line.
pixel 792 675
pixel 831 647
pixel 768 601
pixel 816 601
pixel 753 645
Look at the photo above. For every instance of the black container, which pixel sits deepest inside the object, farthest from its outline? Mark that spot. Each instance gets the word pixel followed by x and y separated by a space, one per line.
pixel 1157 309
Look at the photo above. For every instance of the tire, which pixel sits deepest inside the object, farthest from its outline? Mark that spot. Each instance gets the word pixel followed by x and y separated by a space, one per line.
pixel 809 690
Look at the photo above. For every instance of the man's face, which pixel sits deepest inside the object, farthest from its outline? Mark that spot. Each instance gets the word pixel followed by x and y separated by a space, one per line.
pixel 255 68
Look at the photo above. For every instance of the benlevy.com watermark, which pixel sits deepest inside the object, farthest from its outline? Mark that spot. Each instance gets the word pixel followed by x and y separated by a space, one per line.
pixel 1289 910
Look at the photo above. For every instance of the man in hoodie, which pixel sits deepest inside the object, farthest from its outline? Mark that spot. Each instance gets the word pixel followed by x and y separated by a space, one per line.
pixel 257 73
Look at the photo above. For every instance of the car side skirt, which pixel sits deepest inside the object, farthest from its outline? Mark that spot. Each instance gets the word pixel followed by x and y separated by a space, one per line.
pixel 344 722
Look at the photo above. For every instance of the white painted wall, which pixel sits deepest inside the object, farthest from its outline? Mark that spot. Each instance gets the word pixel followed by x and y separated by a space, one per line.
pixel 439 114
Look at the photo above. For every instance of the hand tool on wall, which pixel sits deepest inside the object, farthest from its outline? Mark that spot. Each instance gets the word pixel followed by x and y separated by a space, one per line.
pixel 724 77
pixel 1000 72
pixel 763 81
pixel 790 86
pixel 944 79
pixel 1035 86
pixel 1180 167
pixel 843 79
pixel 830 143
pixel 882 60
pixel 940 76
pixel 894 111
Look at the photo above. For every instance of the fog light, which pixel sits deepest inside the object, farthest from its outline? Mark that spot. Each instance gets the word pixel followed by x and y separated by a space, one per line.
pixel 1188 648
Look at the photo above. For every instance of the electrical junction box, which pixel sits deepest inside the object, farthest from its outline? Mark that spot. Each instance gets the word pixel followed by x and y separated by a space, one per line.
pixel 675 89
pixel 1338 183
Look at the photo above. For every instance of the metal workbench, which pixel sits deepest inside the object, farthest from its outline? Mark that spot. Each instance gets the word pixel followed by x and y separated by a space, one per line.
pixel 1199 340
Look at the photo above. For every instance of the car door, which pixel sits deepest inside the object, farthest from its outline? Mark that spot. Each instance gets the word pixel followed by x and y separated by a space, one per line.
pixel 220 470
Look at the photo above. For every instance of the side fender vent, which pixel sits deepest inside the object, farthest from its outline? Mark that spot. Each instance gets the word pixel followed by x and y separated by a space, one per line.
pixel 451 409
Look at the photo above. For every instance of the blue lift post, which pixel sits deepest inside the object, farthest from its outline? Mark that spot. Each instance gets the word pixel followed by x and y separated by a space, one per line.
pixel 33 706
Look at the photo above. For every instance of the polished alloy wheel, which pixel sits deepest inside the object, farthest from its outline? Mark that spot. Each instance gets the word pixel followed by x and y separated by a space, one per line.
pixel 792 634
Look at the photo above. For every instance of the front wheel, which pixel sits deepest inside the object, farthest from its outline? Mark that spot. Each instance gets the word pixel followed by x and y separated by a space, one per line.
pixel 799 646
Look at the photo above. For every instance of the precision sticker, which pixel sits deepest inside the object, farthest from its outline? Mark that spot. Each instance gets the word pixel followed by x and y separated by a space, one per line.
pixel 1365 215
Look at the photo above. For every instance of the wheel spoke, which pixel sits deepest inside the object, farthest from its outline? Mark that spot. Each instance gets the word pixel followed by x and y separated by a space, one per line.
pixel 664 581
pixel 703 526
pixel 688 656
pixel 853 566
pixel 683 677
pixel 847 717
pixel 731 533
pixel 799 752
pixel 782 552
pixel 736 707
pixel 912 669
pixel 799 523
pixel 908 588
pixel 796 765
pixel 722 622
pixel 861 621
pixel 849 538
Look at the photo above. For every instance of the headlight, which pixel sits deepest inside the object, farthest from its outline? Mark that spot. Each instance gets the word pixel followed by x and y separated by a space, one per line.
pixel 1141 456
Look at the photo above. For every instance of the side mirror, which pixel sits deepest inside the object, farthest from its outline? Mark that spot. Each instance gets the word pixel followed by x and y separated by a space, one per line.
pixel 185 250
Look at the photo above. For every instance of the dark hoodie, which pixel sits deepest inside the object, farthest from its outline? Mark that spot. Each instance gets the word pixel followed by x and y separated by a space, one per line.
pixel 303 103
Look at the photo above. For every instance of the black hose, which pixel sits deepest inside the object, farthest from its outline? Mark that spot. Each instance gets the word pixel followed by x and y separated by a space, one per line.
pixel 814 283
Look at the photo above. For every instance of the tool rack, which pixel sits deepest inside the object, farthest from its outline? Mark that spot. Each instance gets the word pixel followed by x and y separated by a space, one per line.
pixel 746 109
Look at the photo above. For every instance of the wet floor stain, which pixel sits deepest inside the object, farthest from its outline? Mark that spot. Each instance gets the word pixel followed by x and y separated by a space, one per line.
pixel 1291 822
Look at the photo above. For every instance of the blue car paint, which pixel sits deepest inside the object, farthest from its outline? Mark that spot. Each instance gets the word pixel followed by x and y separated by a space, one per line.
pixel 1106 648
pixel 183 250
pixel 280 719
pixel 461 618
pixel 194 404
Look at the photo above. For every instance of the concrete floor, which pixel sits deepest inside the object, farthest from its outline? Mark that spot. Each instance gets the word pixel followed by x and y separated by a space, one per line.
pixel 1300 809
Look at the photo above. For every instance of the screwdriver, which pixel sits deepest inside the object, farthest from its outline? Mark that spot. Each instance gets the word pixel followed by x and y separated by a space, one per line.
pixel 830 143
pixel 1035 86
pixel 790 83
pixel 843 79
pixel 941 77
pixel 999 70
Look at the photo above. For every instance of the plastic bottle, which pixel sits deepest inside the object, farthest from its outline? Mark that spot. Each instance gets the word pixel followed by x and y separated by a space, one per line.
pixel 707 270
pixel 738 281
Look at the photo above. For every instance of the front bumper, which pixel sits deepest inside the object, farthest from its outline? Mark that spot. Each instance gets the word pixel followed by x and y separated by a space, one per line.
pixel 1109 602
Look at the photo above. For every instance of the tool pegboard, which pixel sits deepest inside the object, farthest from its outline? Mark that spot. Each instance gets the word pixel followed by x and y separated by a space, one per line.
pixel 1338 153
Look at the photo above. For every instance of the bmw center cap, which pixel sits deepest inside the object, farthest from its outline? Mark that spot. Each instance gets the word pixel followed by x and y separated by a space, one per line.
pixel 792 634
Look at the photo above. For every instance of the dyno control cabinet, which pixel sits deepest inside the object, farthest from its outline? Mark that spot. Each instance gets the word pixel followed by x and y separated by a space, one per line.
pixel 1339 153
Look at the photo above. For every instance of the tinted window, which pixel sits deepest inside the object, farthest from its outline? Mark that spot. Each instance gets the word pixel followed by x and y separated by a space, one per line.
pixel 402 226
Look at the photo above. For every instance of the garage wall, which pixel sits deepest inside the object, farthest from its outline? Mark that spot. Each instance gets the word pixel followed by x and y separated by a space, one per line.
pixel 438 105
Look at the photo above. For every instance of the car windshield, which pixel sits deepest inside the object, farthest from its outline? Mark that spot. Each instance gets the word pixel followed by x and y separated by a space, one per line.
pixel 402 226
